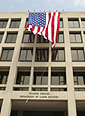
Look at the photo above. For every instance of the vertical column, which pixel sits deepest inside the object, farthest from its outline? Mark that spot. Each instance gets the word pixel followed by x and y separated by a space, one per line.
pixel 69 71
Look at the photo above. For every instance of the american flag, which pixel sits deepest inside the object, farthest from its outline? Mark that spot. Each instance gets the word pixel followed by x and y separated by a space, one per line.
pixel 44 24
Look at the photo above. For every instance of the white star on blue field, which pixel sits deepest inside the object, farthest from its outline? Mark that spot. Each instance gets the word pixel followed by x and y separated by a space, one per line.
pixel 41 5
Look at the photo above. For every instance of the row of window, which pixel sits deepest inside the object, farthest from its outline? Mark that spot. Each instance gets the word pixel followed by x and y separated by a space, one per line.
pixel 42 55
pixel 29 38
pixel 40 78
pixel 15 23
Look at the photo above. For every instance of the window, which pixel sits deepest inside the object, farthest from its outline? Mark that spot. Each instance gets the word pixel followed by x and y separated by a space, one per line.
pixel 61 23
pixel 26 55
pixel 23 78
pixel 58 55
pixel 40 78
pixel 83 22
pixel 11 37
pixel 3 77
pixel 58 78
pixel 41 55
pixel 28 38
pixel 75 38
pixel 15 23
pixel 41 39
pixel 60 38
pixel 3 23
pixel 26 23
pixel 77 55
pixel 7 55
pixel 73 23
pixel 1 36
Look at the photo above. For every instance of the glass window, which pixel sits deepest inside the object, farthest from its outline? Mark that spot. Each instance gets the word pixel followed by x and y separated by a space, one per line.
pixel 15 23
pixel 7 55
pixel 3 77
pixel 26 55
pixel 28 38
pixel 75 38
pixel 61 23
pixel 77 55
pixel 73 23
pixel 58 78
pixel 41 55
pixel 1 36
pixel 41 39
pixel 79 78
pixel 40 78
pixel 60 38
pixel 58 55
pixel 83 22
pixel 11 37
pixel 26 23
pixel 3 23
pixel 23 78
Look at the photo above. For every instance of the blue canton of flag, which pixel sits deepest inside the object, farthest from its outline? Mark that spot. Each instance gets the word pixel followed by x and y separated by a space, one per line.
pixel 37 19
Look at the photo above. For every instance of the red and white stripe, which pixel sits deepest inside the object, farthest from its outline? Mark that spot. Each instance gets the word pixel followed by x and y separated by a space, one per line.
pixel 50 30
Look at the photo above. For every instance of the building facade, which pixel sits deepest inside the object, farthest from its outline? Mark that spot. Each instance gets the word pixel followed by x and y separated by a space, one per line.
pixel 36 80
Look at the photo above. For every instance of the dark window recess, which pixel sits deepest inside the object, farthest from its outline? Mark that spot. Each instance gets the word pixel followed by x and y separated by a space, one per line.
pixel 58 55
pixel 1 36
pixel 3 23
pixel 58 89
pixel 75 38
pixel 26 23
pixel 14 113
pixel 28 38
pixel 83 22
pixel 15 23
pixel 60 38
pixel 39 89
pixel 26 55
pixel 77 55
pixel 41 39
pixel 42 55
pixel 7 54
pixel 40 78
pixel 73 23
pixel 11 38
pixel 23 78
pixel 61 23
pixel 3 77
pixel 58 78
pixel 79 78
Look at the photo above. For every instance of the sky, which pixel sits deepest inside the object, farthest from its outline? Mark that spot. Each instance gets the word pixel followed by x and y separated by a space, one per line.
pixel 41 5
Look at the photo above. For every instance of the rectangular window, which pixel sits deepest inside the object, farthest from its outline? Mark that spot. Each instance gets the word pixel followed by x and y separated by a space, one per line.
pixel 42 55
pixel 26 55
pixel 75 38
pixel 83 22
pixel 77 55
pixel 58 78
pixel 60 38
pixel 15 23
pixel 28 38
pixel 58 55
pixel 1 36
pixel 11 38
pixel 26 23
pixel 3 77
pixel 79 78
pixel 61 23
pixel 3 23
pixel 41 39
pixel 40 78
pixel 73 23
pixel 7 55
pixel 23 78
